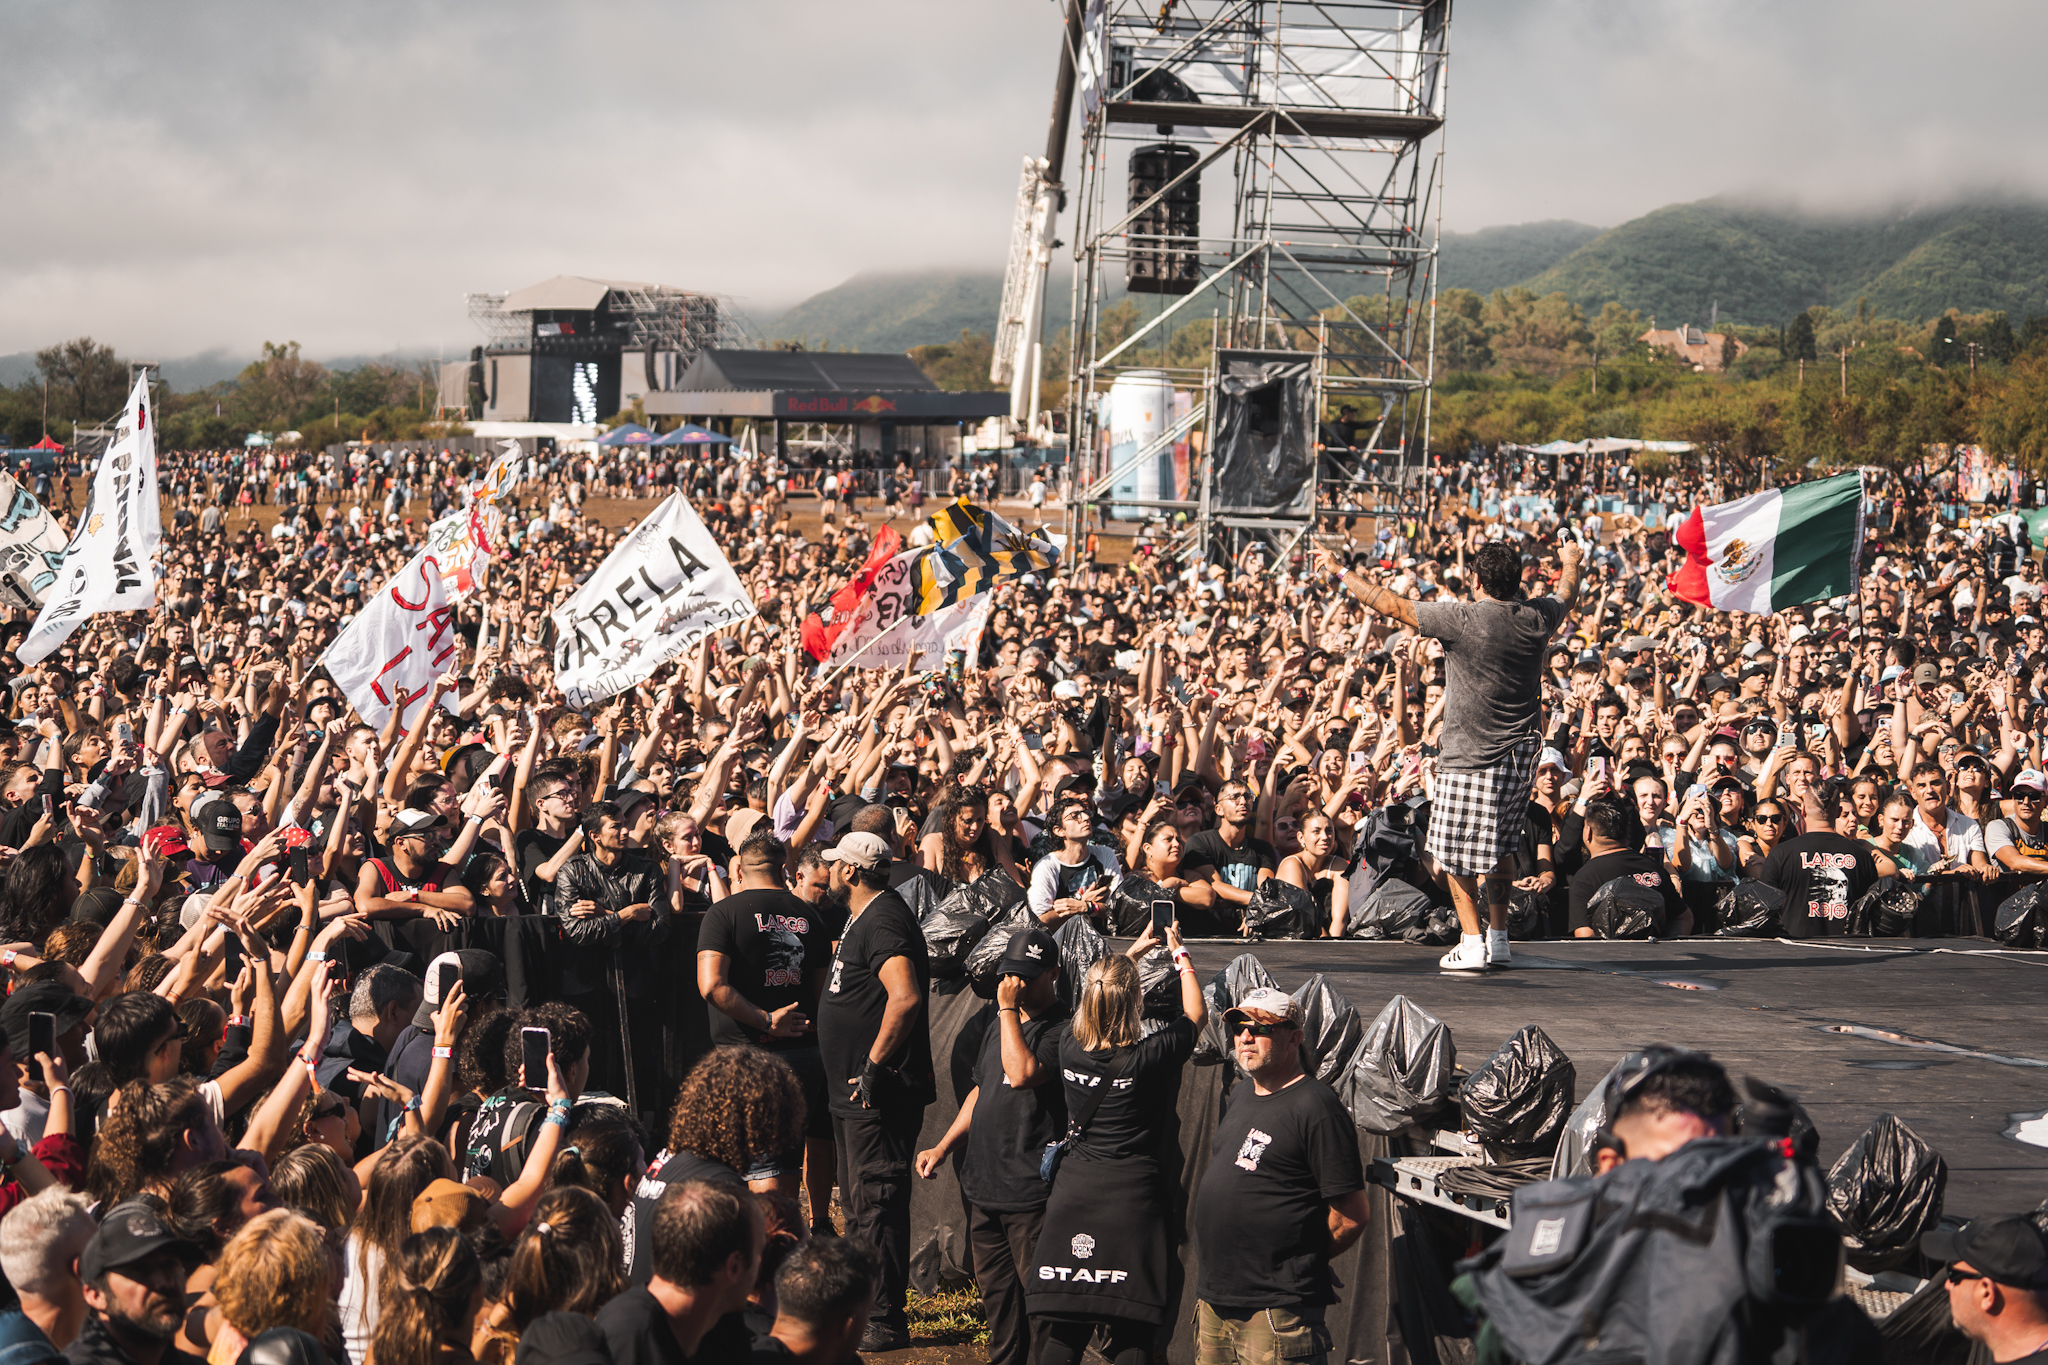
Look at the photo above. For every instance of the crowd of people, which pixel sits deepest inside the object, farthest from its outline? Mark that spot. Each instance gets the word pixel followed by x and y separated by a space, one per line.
pixel 242 1121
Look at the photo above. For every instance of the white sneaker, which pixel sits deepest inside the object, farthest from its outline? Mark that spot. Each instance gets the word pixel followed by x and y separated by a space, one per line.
pixel 1468 956
pixel 1498 954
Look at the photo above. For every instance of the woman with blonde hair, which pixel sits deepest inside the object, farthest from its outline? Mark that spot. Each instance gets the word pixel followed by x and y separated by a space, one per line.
pixel 433 1289
pixel 275 1272
pixel 1111 1200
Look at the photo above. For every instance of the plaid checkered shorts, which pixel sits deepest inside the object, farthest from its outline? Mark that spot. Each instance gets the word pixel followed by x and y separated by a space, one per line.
pixel 1476 818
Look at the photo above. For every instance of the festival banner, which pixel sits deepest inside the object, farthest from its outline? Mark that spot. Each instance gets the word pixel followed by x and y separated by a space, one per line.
pixel 664 587
pixel 31 547
pixel 822 630
pixel 460 546
pixel 891 597
pixel 398 644
pixel 934 637
pixel 110 563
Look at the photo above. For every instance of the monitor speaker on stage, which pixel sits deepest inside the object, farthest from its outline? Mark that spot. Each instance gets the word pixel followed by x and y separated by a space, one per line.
pixel 1165 258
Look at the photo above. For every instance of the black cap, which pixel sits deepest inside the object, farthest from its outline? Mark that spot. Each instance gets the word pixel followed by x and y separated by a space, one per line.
pixel 129 1233
pixel 220 826
pixel 408 823
pixel 477 970
pixel 40 997
pixel 2007 1247
pixel 1029 953
pixel 1715 682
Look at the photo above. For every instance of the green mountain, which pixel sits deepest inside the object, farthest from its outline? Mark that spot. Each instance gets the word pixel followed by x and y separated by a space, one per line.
pixel 1496 257
pixel 1763 265
pixel 893 311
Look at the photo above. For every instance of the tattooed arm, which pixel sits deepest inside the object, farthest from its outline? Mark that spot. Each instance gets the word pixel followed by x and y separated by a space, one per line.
pixel 1371 594
pixel 1571 557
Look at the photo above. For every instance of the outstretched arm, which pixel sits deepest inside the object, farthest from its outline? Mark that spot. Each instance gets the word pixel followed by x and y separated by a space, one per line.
pixel 1570 555
pixel 1372 594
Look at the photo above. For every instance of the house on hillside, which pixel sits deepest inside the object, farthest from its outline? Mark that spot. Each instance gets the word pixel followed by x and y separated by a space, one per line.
pixel 1702 350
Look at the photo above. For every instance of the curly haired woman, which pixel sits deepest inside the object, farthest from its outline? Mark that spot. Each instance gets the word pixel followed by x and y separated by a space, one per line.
pixel 739 1118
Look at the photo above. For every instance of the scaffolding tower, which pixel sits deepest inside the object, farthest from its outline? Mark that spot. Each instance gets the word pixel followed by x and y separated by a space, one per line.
pixel 1258 179
pixel 651 317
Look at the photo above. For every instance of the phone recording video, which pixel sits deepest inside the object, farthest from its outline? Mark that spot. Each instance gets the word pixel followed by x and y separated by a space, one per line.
pixel 534 1044
pixel 1162 915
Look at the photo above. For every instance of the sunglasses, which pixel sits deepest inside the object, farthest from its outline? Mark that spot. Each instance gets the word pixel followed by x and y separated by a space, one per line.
pixel 1956 1276
pixel 1255 1029
pixel 1768 820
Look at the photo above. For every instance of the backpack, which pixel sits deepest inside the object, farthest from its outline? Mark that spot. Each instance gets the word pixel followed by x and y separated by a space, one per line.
pixel 501 1134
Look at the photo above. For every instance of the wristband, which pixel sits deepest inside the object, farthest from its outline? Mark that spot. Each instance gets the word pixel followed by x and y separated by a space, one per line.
pixel 443 1053
pixel 412 1106
pixel 1010 1009
pixel 557 1117
pixel 7 958
pixel 317 955
pixel 238 1021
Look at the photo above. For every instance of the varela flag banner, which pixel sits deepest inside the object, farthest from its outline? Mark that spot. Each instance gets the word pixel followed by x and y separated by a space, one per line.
pixel 1774 549
pixel 110 562
pixel 976 550
pixel 664 587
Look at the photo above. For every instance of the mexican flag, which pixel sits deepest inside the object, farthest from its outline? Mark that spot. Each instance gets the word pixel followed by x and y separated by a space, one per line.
pixel 1774 549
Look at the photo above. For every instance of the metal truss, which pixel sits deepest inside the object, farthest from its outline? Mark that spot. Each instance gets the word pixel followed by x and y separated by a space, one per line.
pixel 1316 126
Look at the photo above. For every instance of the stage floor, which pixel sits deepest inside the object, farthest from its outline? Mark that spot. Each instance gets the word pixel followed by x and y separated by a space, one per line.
pixel 1776 1010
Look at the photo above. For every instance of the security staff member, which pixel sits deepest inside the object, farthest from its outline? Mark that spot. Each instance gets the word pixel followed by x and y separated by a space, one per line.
pixel 1005 1123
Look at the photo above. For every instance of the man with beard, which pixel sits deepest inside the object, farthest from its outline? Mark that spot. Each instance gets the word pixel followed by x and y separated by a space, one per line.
pixel 762 955
pixel 134 1272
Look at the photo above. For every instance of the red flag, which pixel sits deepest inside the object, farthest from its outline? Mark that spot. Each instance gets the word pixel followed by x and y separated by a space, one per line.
pixel 819 632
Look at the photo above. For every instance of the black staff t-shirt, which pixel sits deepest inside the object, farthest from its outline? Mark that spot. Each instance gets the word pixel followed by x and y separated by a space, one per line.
pixel 772 943
pixel 1261 1219
pixel 1822 874
pixel 851 1008
pixel 1011 1127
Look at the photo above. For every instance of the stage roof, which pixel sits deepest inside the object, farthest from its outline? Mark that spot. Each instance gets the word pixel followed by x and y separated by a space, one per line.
pixel 565 291
pixel 818 385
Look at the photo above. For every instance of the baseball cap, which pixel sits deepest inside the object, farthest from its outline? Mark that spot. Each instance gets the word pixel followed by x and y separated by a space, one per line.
pixel 2007 1247
pixel 408 823
pixel 861 850
pixel 1029 953
pixel 1925 675
pixel 166 841
pixel 2028 779
pixel 129 1233
pixel 1716 682
pixel 1551 758
pixel 1798 633
pixel 476 969
pixel 1264 1006
pixel 219 823
pixel 1066 689
pixel 1890 673
pixel 1969 758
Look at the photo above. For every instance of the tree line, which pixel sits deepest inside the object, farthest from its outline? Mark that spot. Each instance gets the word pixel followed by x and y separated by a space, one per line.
pixel 83 382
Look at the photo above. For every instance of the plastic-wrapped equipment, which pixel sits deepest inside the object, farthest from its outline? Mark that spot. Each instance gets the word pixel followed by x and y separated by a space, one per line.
pixel 952 924
pixel 985 958
pixel 1330 1029
pixel 1404 1068
pixel 1750 909
pixel 1575 1144
pixel 1081 947
pixel 1281 909
pixel 1886 912
pixel 1518 1099
pixel 1625 908
pixel 2023 919
pixel 1243 975
pixel 1885 1191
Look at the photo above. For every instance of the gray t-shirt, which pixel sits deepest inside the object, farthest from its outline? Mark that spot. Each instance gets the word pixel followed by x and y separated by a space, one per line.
pixel 1493 661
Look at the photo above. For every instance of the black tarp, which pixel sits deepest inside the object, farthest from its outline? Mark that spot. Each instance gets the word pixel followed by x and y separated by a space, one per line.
pixel 1264 434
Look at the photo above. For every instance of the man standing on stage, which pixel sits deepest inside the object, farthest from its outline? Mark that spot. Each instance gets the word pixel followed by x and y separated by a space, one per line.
pixel 1493 656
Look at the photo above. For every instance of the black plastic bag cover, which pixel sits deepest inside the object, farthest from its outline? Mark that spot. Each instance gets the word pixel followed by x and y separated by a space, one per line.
pixel 1885 1191
pixel 1575 1144
pixel 1081 946
pixel 1885 912
pixel 2020 919
pixel 1750 909
pixel 1438 927
pixel 1519 1098
pixel 1130 904
pixel 1243 975
pixel 1393 910
pixel 952 926
pixel 1281 909
pixel 1625 908
pixel 1403 1069
pixel 1330 1029
pixel 984 959
pixel 1527 917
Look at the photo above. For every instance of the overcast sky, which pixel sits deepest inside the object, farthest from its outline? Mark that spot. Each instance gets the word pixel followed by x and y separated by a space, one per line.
pixel 189 176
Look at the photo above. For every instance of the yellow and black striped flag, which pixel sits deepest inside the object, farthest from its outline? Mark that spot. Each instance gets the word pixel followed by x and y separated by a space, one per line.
pixel 976 550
